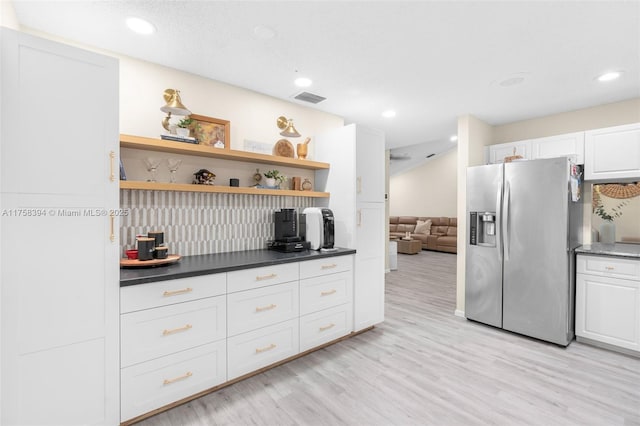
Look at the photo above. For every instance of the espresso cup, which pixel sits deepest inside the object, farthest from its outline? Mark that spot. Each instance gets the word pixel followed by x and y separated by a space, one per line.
pixel 145 248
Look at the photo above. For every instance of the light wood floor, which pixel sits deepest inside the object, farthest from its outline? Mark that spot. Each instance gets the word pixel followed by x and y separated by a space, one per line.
pixel 425 366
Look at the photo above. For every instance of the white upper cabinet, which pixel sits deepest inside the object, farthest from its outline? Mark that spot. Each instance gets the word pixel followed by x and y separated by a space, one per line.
pixel 613 153
pixel 570 145
pixel 497 153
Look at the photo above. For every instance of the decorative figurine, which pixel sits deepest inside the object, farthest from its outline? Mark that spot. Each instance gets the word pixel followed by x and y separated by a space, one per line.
pixel 203 177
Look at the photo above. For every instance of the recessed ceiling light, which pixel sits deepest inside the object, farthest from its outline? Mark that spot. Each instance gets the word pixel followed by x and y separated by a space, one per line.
pixel 609 76
pixel 303 82
pixel 140 26
pixel 389 114
pixel 453 138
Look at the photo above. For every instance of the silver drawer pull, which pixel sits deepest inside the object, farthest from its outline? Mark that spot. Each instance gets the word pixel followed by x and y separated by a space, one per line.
pixel 327 293
pixel 609 268
pixel 177 292
pixel 266 348
pixel 177 330
pixel 265 277
pixel 265 308
pixel 176 379
pixel 331 266
pixel 326 327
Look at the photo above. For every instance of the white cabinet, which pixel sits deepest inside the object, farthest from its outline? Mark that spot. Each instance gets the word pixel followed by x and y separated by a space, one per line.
pixel 498 152
pixel 171 350
pixel 569 145
pixel 59 265
pixel 356 183
pixel 608 301
pixel 613 153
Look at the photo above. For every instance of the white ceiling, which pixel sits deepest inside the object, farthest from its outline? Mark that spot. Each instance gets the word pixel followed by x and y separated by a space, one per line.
pixel 431 61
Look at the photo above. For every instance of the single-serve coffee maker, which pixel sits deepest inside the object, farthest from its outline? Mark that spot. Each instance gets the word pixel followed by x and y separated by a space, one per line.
pixel 320 228
pixel 482 227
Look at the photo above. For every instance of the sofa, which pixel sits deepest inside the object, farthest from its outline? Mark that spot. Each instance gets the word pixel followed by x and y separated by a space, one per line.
pixel 441 236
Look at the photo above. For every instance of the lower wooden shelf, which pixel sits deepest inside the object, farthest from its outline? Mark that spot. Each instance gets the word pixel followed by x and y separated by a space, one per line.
pixel 158 186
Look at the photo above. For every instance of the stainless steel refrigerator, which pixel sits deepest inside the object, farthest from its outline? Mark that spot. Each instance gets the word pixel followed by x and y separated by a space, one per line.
pixel 522 229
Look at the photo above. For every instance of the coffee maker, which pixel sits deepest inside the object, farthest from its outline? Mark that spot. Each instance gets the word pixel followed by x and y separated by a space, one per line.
pixel 287 235
pixel 320 228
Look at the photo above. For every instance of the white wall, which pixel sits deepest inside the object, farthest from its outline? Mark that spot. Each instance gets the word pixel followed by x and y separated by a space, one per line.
pixel 8 15
pixel 427 190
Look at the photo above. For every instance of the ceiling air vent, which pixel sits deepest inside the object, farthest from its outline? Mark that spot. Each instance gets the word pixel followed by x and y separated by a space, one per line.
pixel 309 97
pixel 430 155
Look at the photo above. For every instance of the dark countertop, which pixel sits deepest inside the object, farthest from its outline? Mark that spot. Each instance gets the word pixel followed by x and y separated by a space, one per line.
pixel 191 266
pixel 617 249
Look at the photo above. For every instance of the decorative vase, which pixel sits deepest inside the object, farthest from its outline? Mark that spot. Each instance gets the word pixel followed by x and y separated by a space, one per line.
pixel 182 132
pixel 270 182
pixel 302 150
pixel 306 185
pixel 607 233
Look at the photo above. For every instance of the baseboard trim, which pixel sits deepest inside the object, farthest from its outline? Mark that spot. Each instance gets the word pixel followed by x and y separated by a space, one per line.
pixel 459 313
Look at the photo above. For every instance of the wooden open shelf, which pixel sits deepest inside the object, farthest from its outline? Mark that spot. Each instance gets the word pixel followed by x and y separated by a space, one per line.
pixel 160 186
pixel 160 145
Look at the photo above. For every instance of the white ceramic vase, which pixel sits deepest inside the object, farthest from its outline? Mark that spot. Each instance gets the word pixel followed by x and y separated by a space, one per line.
pixel 182 131
pixel 271 182
pixel 607 233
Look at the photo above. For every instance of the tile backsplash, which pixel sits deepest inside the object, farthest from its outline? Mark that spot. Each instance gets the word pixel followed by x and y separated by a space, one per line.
pixel 201 222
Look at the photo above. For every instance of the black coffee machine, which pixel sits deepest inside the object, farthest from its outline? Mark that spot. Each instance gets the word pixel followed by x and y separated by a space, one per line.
pixel 288 236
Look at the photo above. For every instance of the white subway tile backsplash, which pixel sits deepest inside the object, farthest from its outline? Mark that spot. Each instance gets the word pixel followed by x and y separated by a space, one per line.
pixel 200 222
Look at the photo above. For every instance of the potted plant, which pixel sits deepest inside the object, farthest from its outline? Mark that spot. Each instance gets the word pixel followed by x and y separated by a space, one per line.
pixel 273 178
pixel 184 127
pixel 607 228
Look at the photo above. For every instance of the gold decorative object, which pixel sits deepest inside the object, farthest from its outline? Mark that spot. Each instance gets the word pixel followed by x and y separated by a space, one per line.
pixel 286 125
pixel 283 148
pixel 173 105
pixel 302 148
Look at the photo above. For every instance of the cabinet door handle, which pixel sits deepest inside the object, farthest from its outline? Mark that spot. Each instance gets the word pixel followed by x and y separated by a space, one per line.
pixel 112 157
pixel 176 379
pixel 177 330
pixel 265 277
pixel 359 217
pixel 331 266
pixel 609 268
pixel 177 292
pixel 326 327
pixel 266 348
pixel 112 234
pixel 327 293
pixel 358 184
pixel 265 308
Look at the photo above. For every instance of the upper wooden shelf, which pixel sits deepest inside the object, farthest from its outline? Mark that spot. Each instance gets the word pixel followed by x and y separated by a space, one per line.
pixel 161 145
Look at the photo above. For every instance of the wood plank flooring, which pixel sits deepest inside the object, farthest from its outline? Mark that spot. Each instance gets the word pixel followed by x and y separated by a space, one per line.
pixel 425 366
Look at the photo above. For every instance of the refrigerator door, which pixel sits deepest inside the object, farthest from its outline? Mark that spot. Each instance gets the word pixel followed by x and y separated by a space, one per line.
pixel 483 282
pixel 537 287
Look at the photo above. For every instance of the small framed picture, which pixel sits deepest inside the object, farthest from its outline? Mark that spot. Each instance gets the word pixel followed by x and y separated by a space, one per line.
pixel 212 132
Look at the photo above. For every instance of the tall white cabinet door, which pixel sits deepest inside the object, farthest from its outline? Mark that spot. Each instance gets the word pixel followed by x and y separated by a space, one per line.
pixel 370 165
pixel 59 264
pixel 612 153
pixel 369 266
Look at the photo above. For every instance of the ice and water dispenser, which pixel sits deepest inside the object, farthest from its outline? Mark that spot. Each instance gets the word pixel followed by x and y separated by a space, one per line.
pixel 482 229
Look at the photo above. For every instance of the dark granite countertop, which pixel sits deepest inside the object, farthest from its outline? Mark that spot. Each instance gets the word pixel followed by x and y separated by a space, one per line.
pixel 617 249
pixel 191 266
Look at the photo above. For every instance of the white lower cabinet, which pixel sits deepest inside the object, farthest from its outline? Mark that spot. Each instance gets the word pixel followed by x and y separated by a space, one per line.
pixel 184 336
pixel 153 384
pixel 259 348
pixel 608 306
pixel 324 326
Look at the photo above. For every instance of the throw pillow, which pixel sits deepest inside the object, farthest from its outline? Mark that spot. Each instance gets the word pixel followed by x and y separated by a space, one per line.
pixel 423 227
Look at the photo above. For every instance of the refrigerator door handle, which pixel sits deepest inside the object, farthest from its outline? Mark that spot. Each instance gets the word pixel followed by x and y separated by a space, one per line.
pixel 505 222
pixel 498 223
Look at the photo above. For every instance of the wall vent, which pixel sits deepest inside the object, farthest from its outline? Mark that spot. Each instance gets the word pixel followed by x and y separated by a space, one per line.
pixel 430 155
pixel 309 97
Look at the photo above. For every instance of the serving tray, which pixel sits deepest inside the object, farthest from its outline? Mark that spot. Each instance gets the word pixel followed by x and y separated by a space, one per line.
pixel 135 263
